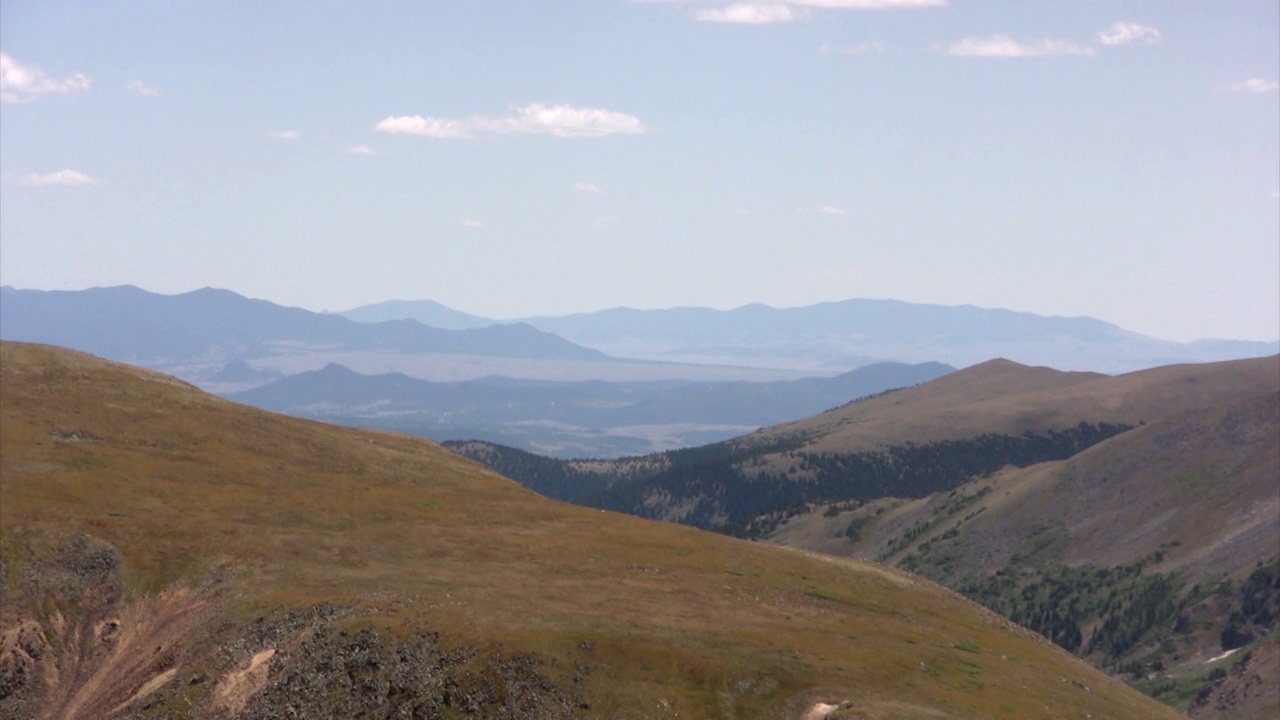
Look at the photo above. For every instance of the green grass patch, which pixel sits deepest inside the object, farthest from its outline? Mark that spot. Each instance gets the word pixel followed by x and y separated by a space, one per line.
pixel 821 594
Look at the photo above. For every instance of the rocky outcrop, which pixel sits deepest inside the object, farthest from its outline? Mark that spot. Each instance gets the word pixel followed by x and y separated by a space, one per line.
pixel 75 648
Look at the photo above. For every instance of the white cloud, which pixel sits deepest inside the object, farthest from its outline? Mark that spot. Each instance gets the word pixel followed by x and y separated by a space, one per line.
pixel 825 4
pixel 142 88
pixel 869 4
pixel 1123 33
pixel 1252 85
pixel 745 14
pixel 587 187
pixel 769 12
pixel 472 223
pixel 430 127
pixel 1276 194
pixel 830 210
pixel 361 150
pixel 741 211
pixel 285 135
pixel 61 177
pixel 23 84
pixel 532 119
pixel 1004 46
pixel 859 49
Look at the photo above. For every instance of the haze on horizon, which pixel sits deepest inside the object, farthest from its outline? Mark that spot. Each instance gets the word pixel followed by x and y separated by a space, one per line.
pixel 1117 160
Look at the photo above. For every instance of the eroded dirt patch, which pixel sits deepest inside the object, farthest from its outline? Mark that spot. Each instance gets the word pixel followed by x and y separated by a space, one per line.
pixel 106 663
pixel 72 646
pixel 235 690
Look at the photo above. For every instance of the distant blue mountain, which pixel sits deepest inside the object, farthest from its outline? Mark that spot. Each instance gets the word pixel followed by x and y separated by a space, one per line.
pixel 839 335
pixel 590 418
pixel 131 324
pixel 427 312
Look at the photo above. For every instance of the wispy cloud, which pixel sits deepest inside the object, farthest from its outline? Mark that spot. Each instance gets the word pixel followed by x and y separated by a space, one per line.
pixel 870 4
pixel 587 187
pixel 741 211
pixel 830 210
pixel 23 84
pixel 859 49
pixel 285 134
pixel 439 128
pixel 1123 33
pixel 745 14
pixel 361 150
pixel 1003 46
pixel 472 223
pixel 1252 85
pixel 142 88
pixel 769 12
pixel 61 177
pixel 534 119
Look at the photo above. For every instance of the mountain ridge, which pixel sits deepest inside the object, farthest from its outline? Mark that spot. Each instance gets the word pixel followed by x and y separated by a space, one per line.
pixel 128 323
pixel 1133 519
pixel 571 419
pixel 171 552
pixel 840 335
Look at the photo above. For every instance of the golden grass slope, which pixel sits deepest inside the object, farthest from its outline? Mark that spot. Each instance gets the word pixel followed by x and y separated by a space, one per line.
pixel 1194 496
pixel 226 518
pixel 1200 487
pixel 1004 397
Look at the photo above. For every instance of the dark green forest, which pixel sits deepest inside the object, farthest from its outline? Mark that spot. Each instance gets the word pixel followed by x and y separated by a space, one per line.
pixel 1133 621
pixel 728 485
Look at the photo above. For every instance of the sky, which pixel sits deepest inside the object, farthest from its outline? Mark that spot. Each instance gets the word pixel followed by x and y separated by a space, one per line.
pixel 1114 159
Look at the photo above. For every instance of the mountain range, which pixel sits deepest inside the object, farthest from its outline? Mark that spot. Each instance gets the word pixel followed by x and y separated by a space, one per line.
pixel 211 325
pixel 169 553
pixel 582 419
pixel 1132 519
pixel 195 334
pixel 838 336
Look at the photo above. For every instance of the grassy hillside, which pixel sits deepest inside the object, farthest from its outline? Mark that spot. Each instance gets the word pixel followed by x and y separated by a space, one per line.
pixel 1150 554
pixel 1203 478
pixel 1006 398
pixel 904 443
pixel 1123 517
pixel 169 553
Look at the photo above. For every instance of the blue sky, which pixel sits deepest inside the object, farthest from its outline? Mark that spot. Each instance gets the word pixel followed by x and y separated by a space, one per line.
pixel 1113 159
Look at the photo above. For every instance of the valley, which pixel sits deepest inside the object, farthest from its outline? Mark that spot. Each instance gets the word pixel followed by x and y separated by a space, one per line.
pixel 1134 519
pixel 640 360
pixel 166 551
pixel 1131 519
pixel 590 418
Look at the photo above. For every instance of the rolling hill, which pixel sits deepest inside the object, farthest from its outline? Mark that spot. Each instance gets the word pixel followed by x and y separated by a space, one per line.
pixel 1134 520
pixel 166 552
pixel 904 443
pixel 1004 397
pixel 1155 554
